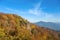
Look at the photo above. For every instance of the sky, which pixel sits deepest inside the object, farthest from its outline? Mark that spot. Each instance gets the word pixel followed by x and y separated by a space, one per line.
pixel 33 10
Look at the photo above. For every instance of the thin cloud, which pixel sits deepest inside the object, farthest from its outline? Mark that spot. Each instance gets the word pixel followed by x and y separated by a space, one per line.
pixel 10 10
pixel 37 11
pixel 34 11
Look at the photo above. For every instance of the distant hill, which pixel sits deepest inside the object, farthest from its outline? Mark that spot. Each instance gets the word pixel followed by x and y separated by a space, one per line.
pixel 51 25
pixel 14 27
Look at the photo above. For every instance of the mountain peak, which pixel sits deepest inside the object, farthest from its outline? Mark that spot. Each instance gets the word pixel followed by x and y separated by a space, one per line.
pixel 51 25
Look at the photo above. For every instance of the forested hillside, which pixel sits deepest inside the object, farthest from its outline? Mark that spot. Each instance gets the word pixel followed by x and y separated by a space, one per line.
pixel 14 27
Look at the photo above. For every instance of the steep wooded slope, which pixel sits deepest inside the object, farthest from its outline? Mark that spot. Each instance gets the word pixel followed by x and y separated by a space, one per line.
pixel 13 27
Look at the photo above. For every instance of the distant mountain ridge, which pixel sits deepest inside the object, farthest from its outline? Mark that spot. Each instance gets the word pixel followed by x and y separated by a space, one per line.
pixel 51 25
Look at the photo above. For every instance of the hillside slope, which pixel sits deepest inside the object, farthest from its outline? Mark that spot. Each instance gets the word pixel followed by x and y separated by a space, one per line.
pixel 13 27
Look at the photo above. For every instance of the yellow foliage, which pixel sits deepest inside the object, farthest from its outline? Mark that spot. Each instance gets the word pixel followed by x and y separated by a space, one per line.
pixel 2 32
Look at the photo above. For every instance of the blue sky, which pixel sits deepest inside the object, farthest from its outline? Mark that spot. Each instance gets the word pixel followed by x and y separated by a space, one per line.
pixel 33 10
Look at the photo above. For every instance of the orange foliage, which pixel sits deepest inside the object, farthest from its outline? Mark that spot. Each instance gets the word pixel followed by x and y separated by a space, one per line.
pixel 13 27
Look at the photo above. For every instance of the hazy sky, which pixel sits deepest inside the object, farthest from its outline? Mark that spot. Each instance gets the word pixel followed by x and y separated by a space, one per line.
pixel 33 10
